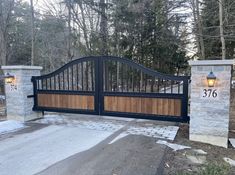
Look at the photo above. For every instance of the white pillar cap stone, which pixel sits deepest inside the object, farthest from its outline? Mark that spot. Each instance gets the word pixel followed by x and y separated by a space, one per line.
pixel 21 67
pixel 211 62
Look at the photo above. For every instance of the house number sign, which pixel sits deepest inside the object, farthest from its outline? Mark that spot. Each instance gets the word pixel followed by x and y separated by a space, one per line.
pixel 12 87
pixel 209 93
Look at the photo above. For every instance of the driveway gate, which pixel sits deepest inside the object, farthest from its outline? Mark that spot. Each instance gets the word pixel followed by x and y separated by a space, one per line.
pixel 112 86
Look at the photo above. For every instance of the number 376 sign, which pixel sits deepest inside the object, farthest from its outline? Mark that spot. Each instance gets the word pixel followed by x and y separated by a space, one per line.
pixel 209 93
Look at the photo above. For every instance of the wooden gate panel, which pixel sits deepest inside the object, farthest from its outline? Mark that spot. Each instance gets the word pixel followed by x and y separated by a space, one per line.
pixel 83 102
pixel 155 106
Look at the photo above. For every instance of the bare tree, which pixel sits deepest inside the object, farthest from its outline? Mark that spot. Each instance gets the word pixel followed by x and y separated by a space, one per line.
pixel 68 4
pixel 6 7
pixel 32 32
pixel 222 29
pixel 103 28
pixel 199 29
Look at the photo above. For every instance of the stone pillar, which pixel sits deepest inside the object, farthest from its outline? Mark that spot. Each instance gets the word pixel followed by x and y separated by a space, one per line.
pixel 19 106
pixel 209 108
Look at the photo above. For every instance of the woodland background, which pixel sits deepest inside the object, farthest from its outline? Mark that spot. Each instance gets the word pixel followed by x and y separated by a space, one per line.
pixel 160 34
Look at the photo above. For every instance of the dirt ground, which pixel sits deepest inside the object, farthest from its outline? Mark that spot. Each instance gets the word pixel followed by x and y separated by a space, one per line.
pixel 177 161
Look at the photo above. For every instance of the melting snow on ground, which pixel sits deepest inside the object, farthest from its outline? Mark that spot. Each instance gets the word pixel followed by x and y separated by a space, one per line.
pixel 163 132
pixel 30 153
pixel 232 141
pixel 173 146
pixel 10 126
pixel 229 161
pixel 124 134
pixel 200 151
pixel 156 131
pixel 94 125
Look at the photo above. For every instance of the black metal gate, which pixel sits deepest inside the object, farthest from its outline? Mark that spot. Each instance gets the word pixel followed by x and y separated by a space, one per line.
pixel 112 86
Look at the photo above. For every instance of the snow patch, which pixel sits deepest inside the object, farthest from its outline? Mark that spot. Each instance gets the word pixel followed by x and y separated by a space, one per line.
pixel 200 151
pixel 197 159
pixel 30 153
pixel 118 118
pixel 232 141
pixel 10 126
pixel 229 161
pixel 173 146
pixel 119 137
pixel 163 132
pixel 93 125
pixel 158 131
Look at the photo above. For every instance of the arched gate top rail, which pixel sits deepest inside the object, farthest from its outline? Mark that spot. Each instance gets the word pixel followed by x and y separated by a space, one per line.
pixel 118 59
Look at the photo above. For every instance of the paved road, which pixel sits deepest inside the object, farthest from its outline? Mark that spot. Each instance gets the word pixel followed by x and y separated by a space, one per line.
pixel 132 155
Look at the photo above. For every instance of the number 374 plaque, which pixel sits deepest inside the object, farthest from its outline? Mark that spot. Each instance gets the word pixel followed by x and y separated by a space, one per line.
pixel 209 93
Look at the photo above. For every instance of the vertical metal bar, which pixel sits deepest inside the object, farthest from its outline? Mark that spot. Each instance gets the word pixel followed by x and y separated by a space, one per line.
pixel 104 76
pixel 37 84
pixel 158 85
pixel 145 83
pixel 50 82
pixel 111 76
pixel 55 82
pixel 41 84
pixel 184 106
pixel 171 86
pixel 139 80
pixel 122 76
pixel 46 84
pixel 82 74
pixel 133 83
pixel 68 77
pixel 92 76
pixel 179 87
pixel 35 105
pixel 127 79
pixel 77 77
pixel 63 81
pixel 87 76
pixel 117 76
pixel 101 85
pixel 59 81
pixel 97 86
pixel 72 77
pixel 164 82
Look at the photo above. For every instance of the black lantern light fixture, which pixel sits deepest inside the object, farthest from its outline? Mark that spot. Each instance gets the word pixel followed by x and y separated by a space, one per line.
pixel 9 78
pixel 211 78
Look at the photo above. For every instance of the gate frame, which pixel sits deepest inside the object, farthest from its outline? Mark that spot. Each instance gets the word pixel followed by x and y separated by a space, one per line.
pixel 99 91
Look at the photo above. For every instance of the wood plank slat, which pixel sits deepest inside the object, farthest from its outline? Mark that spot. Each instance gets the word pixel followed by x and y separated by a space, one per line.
pixel 156 106
pixel 66 101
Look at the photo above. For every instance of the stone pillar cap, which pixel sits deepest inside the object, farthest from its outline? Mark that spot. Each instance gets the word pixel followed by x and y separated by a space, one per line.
pixel 21 67
pixel 211 62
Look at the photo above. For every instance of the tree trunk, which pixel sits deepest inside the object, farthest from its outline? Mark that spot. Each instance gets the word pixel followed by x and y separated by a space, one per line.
pixel 3 50
pixel 222 29
pixel 196 29
pixel 69 55
pixel 200 32
pixel 32 32
pixel 84 27
pixel 103 28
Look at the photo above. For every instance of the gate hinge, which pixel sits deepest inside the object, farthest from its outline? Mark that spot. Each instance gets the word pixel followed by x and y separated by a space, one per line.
pixel 30 96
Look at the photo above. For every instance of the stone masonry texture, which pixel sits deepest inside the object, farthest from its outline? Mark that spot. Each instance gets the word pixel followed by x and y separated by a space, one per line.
pixel 209 117
pixel 19 106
